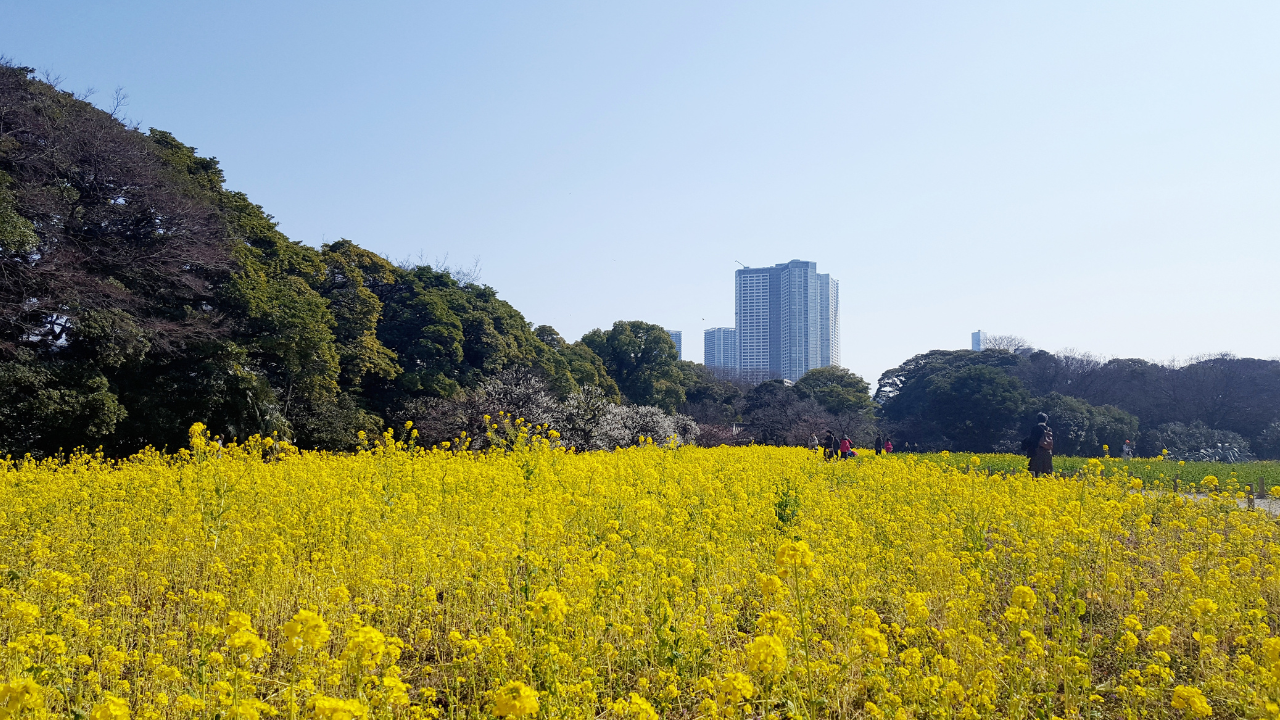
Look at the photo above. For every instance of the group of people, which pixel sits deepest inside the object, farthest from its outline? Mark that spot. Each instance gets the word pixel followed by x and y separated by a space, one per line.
pixel 1038 447
pixel 833 448
pixel 843 448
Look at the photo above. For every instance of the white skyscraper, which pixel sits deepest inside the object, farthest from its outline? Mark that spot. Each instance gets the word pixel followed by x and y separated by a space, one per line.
pixel 720 350
pixel 829 313
pixel 676 337
pixel 787 320
pixel 979 341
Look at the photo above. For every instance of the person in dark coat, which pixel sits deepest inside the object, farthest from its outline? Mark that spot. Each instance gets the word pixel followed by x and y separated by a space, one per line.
pixel 879 443
pixel 829 445
pixel 1039 447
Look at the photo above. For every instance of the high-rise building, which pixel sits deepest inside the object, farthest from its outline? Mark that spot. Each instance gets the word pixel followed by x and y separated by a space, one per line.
pixel 979 341
pixel 829 314
pixel 675 336
pixel 720 351
pixel 787 320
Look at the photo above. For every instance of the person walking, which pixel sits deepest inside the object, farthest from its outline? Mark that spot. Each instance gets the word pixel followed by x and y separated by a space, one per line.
pixel 846 448
pixel 879 443
pixel 1127 452
pixel 1039 447
pixel 829 445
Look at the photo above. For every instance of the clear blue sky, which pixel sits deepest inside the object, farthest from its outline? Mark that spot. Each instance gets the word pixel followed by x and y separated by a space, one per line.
pixel 1104 176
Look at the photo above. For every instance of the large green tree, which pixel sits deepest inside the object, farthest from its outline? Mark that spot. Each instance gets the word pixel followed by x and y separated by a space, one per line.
pixel 586 368
pixel 836 389
pixel 449 336
pixel 1082 429
pixel 138 295
pixel 977 407
pixel 641 357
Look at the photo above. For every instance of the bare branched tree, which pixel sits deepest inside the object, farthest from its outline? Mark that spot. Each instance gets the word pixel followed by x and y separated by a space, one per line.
pixel 119 101
pixel 463 275
pixel 1012 343
pixel 51 79
pixel 1076 362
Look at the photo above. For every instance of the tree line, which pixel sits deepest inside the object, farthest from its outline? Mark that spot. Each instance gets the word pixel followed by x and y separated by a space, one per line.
pixel 986 400
pixel 139 295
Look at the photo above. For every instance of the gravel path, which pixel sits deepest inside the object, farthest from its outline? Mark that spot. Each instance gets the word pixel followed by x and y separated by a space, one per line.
pixel 1269 505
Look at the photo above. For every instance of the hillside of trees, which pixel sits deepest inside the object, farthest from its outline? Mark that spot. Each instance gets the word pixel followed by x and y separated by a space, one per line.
pixel 139 295
pixel 986 400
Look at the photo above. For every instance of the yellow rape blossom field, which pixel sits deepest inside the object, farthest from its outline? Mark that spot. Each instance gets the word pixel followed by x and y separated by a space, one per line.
pixel 256 580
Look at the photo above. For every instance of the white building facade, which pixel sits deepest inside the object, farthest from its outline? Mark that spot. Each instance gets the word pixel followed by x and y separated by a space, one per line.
pixel 720 350
pixel 787 318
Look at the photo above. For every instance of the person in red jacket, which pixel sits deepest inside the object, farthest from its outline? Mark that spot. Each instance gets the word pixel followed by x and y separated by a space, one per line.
pixel 888 445
pixel 846 448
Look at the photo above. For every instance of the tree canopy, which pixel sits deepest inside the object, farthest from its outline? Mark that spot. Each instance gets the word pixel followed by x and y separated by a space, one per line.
pixel 138 295
pixel 641 357
pixel 1091 402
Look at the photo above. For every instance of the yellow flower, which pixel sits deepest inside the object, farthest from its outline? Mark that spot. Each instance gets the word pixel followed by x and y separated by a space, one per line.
pixel 917 608
pixel 329 708
pixel 634 707
pixel 766 655
pixel 306 629
pixel 515 699
pixel 771 585
pixel 873 642
pixel 22 694
pixel 1021 602
pixel 111 708
pixel 911 657
pixel 365 645
pixel 550 606
pixel 21 612
pixel 793 555
pixel 1191 700
pixel 1128 642
pixel 733 689
pixel 1159 635
pixel 1203 606
pixel 241 637
pixel 178 560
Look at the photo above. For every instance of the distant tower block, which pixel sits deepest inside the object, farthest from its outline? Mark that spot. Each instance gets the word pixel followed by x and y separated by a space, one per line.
pixel 720 351
pixel 979 341
pixel 788 320
pixel 676 336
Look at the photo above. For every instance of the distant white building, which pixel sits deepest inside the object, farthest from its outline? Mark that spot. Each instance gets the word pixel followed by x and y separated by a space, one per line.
pixel 720 350
pixel 676 336
pixel 979 341
pixel 788 320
